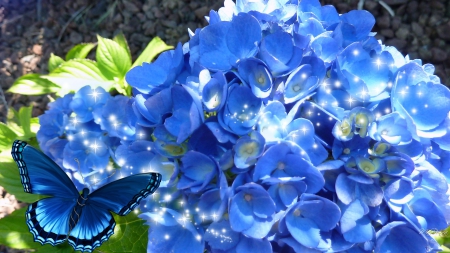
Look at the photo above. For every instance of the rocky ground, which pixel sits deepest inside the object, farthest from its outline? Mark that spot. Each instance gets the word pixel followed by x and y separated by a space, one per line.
pixel 32 29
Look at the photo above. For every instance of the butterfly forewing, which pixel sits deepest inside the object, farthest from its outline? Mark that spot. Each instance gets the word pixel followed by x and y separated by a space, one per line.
pixel 39 174
pixel 123 195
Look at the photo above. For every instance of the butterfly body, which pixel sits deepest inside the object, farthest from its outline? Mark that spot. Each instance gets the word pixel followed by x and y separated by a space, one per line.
pixel 84 220
pixel 77 210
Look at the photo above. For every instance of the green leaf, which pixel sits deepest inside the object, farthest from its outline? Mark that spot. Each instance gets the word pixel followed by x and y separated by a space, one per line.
pixel 154 48
pixel 54 62
pixel 130 235
pixel 61 248
pixel 25 120
pixel 77 73
pixel 7 137
pixel 13 122
pixel 113 60
pixel 34 125
pixel 10 178
pixel 14 233
pixel 80 51
pixel 21 123
pixel 122 41
pixel 33 84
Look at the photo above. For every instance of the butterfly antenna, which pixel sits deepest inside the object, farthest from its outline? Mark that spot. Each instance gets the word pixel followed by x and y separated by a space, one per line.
pixel 112 174
pixel 79 171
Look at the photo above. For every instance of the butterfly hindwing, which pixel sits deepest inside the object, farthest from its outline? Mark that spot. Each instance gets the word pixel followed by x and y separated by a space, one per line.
pixel 123 195
pixel 96 225
pixel 48 219
pixel 39 174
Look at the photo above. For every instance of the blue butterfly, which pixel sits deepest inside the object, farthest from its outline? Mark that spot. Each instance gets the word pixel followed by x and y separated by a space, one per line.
pixel 84 220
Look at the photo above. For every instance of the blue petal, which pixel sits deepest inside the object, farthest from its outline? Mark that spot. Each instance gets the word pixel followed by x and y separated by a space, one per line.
pixel 399 237
pixel 243 36
pixel 303 230
pixel 351 214
pixel 219 235
pixel 361 20
pixel 240 213
pixel 288 194
pixel 248 244
pixel 300 84
pixel 214 53
pixel 323 212
pixel 362 232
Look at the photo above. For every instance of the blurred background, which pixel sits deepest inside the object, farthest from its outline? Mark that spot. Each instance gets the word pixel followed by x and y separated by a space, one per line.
pixel 30 30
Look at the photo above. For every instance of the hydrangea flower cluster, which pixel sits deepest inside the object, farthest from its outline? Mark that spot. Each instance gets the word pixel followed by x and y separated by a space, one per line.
pixel 281 126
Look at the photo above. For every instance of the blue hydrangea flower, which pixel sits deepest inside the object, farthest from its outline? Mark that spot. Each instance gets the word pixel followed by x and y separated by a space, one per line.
pixel 279 53
pixel 248 149
pixel 222 238
pixel 312 9
pixel 117 118
pixel 197 171
pixel 367 76
pixel 214 91
pixel 86 100
pixel 241 112
pixel 309 217
pixel 358 186
pixel 223 44
pixel 140 157
pixel 304 80
pixel 161 74
pixel 400 236
pixel 173 107
pixel 86 152
pixel 355 224
pixel 285 191
pixel 172 232
pixel 283 160
pixel 53 132
pixel 257 76
pixel 413 89
pixel 251 210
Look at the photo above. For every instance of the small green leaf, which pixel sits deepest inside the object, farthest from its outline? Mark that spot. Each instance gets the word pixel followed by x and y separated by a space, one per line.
pixel 7 137
pixel 21 124
pixel 80 51
pixel 25 120
pixel 130 235
pixel 14 233
pixel 34 125
pixel 113 60
pixel 54 62
pixel 10 178
pixel 122 41
pixel 154 48
pixel 77 73
pixel 13 122
pixel 33 84
pixel 61 248
pixel 119 85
